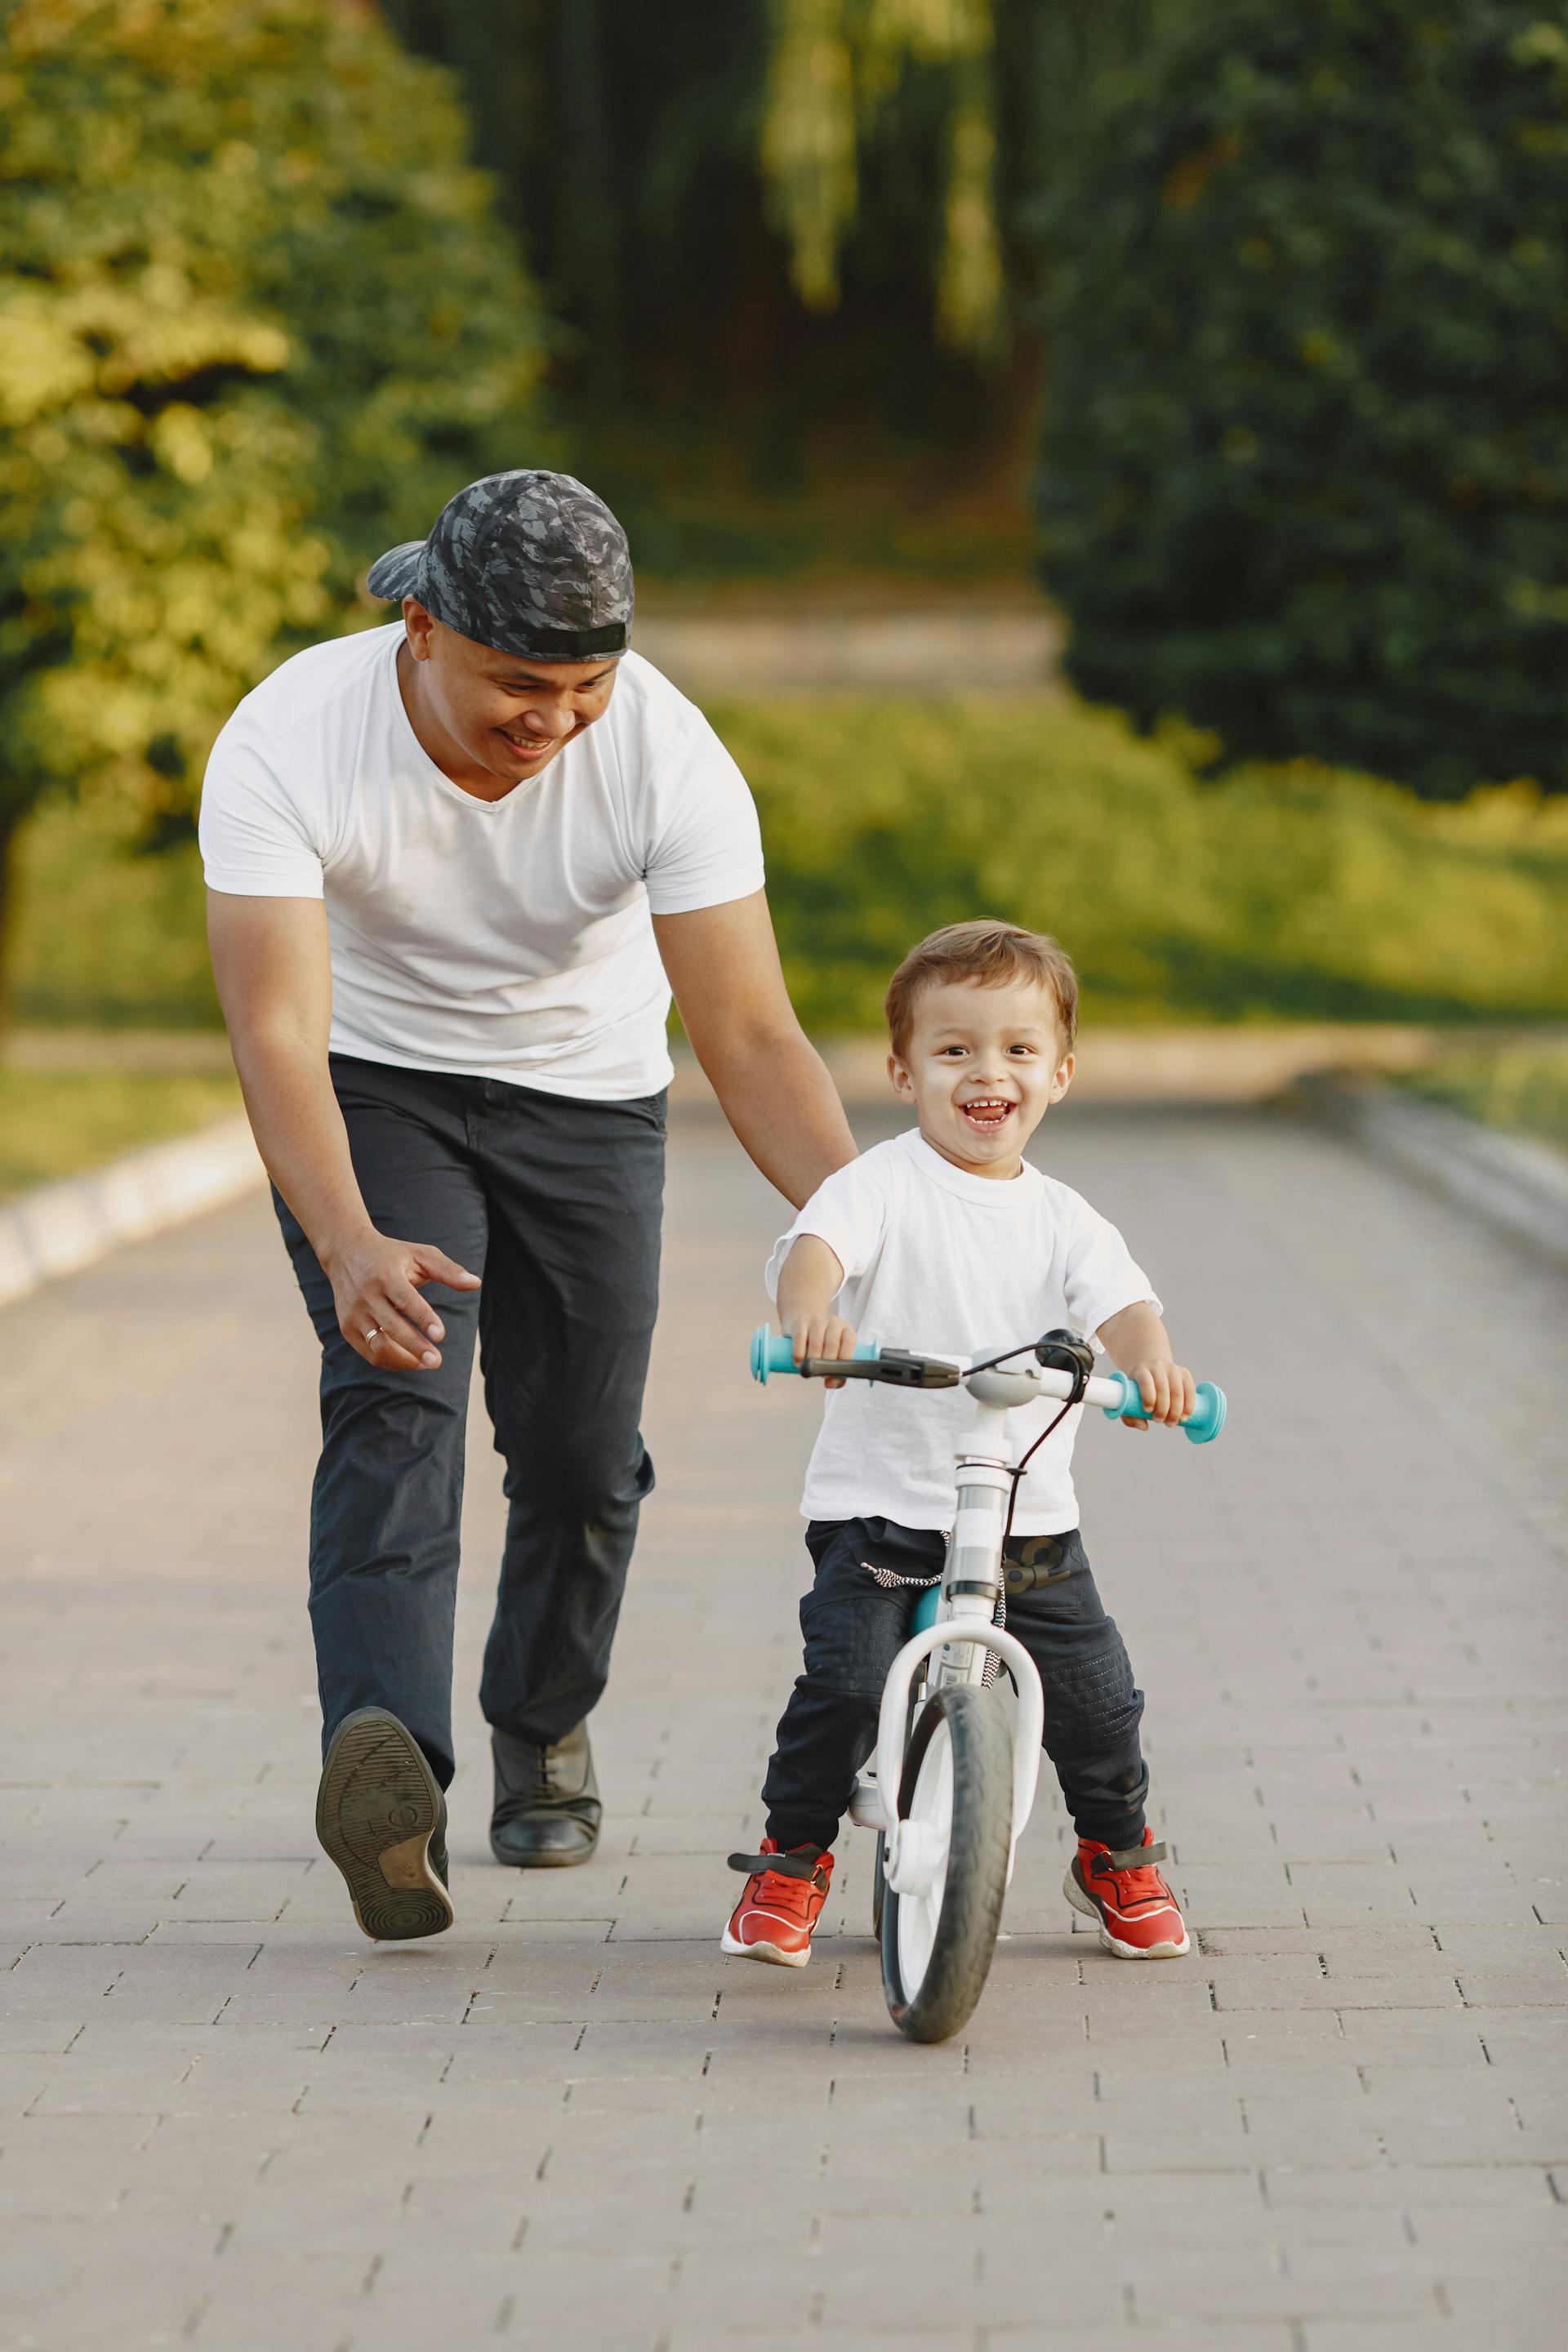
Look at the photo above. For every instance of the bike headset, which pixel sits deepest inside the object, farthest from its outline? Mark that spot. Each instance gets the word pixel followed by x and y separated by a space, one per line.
pixel 1057 1352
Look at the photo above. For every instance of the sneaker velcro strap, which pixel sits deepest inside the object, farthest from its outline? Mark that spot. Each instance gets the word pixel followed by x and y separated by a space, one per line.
pixel 1131 1857
pixel 785 1865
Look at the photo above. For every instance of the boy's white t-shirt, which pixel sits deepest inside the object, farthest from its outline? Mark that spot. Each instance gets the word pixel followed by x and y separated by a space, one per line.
pixel 941 1262
pixel 504 939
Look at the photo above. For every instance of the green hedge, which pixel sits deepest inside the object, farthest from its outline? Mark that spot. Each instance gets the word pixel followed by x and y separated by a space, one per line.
pixel 1298 891
pixel 1290 892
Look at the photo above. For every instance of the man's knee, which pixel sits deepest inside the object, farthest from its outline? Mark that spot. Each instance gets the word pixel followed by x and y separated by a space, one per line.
pixel 584 1471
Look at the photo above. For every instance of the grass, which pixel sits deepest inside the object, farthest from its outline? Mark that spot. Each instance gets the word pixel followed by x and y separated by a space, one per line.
pixel 1523 1088
pixel 57 1122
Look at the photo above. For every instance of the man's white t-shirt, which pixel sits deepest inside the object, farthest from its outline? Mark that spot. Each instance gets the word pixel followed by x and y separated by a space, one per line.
pixel 941 1262
pixel 505 939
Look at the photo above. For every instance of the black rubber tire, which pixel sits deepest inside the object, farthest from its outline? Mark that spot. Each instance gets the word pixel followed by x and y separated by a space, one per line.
pixel 879 1884
pixel 971 1911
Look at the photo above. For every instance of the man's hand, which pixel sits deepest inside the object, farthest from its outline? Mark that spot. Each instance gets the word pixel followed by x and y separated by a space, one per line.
pixel 376 1289
pixel 1169 1393
pixel 274 979
pixel 826 1337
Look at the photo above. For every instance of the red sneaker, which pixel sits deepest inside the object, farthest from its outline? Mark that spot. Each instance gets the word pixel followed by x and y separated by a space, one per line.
pixel 1136 1910
pixel 783 1901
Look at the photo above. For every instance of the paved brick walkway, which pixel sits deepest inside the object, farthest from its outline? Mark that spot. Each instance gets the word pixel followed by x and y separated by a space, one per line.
pixel 226 2120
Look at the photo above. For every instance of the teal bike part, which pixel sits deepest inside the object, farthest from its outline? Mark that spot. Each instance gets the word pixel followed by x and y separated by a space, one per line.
pixel 771 1354
pixel 1200 1426
pixel 925 1609
pixel 1208 1419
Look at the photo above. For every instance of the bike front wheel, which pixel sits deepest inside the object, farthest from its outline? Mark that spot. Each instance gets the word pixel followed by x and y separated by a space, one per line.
pixel 958 1789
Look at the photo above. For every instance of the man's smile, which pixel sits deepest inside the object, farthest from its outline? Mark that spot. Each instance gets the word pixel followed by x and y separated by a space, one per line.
pixel 528 747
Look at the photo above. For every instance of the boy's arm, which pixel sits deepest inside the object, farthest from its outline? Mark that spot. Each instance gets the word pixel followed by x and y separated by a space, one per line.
pixel 1137 1340
pixel 809 1280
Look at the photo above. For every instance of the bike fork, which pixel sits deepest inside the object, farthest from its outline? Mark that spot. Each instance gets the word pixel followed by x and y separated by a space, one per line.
pixel 971 1587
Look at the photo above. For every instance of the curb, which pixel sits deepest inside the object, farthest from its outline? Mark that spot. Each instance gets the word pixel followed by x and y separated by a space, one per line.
pixel 1518 1186
pixel 60 1228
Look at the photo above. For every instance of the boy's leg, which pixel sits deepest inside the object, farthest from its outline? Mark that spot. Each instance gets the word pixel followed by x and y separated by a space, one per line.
pixel 1092 1713
pixel 854 1626
pixel 1093 1709
pixel 854 1620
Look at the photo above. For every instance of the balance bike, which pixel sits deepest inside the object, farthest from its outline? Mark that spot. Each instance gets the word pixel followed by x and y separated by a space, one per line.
pixel 965 1780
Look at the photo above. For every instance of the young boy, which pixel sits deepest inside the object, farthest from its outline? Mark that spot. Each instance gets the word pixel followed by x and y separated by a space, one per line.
pixel 945 1239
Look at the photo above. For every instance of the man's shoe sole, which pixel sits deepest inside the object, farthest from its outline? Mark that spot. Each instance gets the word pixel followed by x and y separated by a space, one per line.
pixel 376 1810
pixel 1091 1910
pixel 772 1953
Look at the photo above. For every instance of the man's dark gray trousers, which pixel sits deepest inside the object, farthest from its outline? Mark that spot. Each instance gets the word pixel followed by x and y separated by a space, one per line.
pixel 556 1204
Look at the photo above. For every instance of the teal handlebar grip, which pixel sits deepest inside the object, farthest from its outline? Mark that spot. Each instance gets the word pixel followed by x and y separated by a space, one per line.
pixel 1208 1419
pixel 1202 1424
pixel 771 1354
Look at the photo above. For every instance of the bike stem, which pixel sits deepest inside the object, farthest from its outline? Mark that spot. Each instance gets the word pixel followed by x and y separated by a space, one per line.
pixel 972 1580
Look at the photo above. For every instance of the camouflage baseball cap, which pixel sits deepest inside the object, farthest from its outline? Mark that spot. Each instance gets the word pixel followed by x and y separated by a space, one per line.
pixel 532 564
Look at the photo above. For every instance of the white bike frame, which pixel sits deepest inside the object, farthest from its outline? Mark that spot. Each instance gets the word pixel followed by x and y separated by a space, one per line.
pixel 971 1583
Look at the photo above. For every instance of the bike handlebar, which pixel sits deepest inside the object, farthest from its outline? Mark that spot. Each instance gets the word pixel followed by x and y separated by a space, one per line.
pixel 1115 1393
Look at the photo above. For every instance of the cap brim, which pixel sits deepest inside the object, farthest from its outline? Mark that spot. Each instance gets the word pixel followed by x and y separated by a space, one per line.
pixel 392 575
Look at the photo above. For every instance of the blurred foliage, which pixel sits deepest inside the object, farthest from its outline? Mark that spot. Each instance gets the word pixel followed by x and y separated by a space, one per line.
pixel 834 64
pixel 256 320
pixel 57 1122
pixel 677 180
pixel 104 933
pixel 1306 449
pixel 1291 892
pixel 1524 1088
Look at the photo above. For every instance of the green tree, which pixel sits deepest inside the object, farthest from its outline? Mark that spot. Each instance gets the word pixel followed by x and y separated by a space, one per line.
pixel 256 320
pixel 1306 443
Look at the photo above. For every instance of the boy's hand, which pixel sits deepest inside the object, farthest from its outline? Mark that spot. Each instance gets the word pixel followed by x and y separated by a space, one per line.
pixel 823 1337
pixel 1169 1393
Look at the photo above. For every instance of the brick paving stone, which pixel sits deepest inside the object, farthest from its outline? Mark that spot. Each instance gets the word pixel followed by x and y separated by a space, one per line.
pixel 226 2120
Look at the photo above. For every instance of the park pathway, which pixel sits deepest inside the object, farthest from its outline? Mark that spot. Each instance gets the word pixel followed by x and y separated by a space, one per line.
pixel 226 2120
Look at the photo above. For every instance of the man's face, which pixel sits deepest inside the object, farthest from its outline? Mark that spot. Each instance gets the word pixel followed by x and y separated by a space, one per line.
pixel 504 717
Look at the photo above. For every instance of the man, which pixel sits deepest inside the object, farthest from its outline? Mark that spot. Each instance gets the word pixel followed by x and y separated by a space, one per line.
pixel 455 868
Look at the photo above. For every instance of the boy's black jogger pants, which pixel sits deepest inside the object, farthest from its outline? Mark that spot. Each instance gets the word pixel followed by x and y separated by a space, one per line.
pixel 855 1624
pixel 556 1204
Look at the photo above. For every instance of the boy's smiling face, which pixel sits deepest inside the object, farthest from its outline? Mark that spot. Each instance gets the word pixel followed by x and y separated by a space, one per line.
pixel 983 1067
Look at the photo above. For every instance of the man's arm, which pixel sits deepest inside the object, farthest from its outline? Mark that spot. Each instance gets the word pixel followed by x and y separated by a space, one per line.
pixel 274 981
pixel 723 967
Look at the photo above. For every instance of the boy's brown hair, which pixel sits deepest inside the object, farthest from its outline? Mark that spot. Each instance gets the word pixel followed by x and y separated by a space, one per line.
pixel 996 955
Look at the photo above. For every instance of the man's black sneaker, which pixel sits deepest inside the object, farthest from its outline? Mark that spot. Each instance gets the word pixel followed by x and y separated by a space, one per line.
pixel 547 1808
pixel 382 1818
